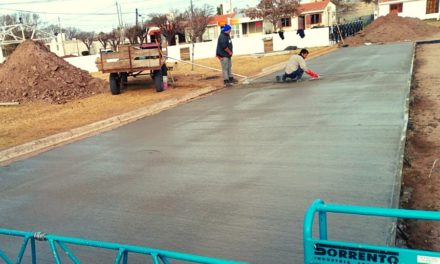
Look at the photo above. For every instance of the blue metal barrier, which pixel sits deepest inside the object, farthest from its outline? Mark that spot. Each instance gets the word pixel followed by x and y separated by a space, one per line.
pixel 322 251
pixel 158 256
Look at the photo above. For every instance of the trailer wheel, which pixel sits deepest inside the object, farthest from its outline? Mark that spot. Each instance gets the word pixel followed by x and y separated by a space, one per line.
pixel 158 81
pixel 124 79
pixel 115 83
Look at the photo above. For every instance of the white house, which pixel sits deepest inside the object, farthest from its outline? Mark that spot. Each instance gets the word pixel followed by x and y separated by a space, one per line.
pixel 313 14
pixel 423 9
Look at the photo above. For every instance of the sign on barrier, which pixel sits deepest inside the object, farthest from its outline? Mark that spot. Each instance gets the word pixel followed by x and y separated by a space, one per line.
pixel 325 251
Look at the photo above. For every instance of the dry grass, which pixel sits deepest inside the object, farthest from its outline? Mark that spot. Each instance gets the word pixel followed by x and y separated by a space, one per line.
pixel 30 121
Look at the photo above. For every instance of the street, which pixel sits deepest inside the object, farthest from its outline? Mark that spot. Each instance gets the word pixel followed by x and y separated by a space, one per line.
pixel 231 175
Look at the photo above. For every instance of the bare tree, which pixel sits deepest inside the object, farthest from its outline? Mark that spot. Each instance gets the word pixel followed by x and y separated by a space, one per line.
pixel 114 39
pixel 86 38
pixel 343 6
pixel 103 38
pixel 169 24
pixel 274 11
pixel 136 34
pixel 198 21
pixel 71 32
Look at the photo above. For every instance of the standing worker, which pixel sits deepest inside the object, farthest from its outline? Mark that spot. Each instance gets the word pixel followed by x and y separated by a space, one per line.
pixel 224 54
pixel 296 66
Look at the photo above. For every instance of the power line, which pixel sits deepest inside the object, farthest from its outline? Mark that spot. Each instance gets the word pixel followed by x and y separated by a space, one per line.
pixel 33 2
pixel 64 14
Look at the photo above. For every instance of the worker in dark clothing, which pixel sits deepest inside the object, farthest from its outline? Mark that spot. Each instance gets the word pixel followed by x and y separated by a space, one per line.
pixel 224 54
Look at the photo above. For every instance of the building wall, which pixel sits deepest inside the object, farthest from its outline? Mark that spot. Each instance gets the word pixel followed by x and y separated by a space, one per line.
pixel 415 8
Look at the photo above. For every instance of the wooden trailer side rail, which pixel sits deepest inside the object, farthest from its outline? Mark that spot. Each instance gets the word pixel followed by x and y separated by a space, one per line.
pixel 130 59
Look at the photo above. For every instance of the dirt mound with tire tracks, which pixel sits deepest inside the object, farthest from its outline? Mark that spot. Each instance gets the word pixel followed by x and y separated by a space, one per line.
pixel 33 73
pixel 393 28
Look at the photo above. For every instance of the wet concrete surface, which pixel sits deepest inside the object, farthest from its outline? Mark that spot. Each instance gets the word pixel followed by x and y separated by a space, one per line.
pixel 230 175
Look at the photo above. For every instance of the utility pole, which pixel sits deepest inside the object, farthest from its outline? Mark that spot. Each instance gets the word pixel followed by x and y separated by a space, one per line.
pixel 117 11
pixel 122 25
pixel 137 15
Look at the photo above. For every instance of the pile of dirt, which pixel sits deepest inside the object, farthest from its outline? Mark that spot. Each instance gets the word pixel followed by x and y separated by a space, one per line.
pixel 393 28
pixel 33 73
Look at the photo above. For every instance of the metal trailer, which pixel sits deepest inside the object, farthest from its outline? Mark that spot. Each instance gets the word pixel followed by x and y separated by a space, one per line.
pixel 133 60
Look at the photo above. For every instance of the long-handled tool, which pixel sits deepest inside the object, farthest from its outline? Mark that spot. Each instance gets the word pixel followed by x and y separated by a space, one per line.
pixel 245 80
pixel 342 39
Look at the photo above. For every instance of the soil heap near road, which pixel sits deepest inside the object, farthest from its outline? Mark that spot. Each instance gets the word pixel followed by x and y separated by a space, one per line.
pixel 393 28
pixel 33 73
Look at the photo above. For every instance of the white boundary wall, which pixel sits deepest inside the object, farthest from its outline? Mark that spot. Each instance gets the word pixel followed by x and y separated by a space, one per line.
pixel 86 63
pixel 317 37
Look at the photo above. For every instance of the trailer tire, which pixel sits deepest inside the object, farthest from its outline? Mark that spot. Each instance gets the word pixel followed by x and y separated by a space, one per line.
pixel 124 79
pixel 115 83
pixel 158 81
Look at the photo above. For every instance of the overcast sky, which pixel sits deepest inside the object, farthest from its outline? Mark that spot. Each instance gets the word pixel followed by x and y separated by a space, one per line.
pixel 100 15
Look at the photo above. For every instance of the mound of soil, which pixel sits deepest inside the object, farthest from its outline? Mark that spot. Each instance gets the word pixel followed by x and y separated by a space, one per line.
pixel 393 28
pixel 33 73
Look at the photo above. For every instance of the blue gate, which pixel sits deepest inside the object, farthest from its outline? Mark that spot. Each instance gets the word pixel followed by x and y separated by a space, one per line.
pixel 158 256
pixel 323 251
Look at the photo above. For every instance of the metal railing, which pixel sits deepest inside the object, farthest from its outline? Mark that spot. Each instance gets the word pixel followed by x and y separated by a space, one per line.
pixel 158 256
pixel 322 250
pixel 345 30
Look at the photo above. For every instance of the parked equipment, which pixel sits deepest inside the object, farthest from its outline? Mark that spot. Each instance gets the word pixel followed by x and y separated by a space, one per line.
pixel 133 60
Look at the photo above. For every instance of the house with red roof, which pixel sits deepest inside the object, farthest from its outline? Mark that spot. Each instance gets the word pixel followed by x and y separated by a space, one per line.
pixel 422 9
pixel 313 14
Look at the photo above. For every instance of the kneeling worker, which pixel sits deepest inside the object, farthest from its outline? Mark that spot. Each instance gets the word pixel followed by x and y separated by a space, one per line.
pixel 296 66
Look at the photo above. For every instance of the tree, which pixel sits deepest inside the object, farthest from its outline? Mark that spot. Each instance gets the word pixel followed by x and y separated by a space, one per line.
pixel 71 32
pixel 198 21
pixel 103 38
pixel 274 11
pixel 86 37
pixel 343 6
pixel 114 39
pixel 169 24
pixel 136 34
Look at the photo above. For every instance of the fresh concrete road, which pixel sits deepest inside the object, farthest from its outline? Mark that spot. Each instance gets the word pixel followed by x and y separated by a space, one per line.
pixel 231 175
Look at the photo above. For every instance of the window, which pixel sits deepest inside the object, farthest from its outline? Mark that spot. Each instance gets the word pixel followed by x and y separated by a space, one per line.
pixel 396 8
pixel 244 29
pixel 236 31
pixel 255 27
pixel 315 19
pixel 286 22
pixel 432 6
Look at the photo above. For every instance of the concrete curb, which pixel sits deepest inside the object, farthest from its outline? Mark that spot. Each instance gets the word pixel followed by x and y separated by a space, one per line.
pixel 32 148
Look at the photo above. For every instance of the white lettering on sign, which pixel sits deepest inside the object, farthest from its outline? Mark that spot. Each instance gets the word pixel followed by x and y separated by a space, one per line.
pixel 428 260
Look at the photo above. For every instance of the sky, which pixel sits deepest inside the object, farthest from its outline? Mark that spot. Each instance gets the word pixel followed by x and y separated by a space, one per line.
pixel 100 15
